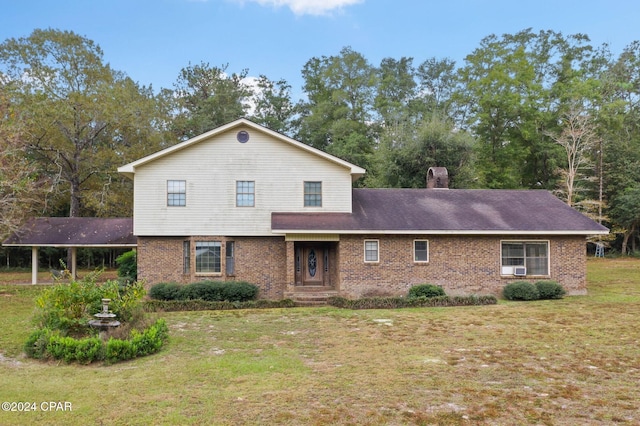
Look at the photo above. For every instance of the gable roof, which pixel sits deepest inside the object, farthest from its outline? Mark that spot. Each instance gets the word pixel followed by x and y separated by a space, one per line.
pixel 453 211
pixel 74 232
pixel 130 169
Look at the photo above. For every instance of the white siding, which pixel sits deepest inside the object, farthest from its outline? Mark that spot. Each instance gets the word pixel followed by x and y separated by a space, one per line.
pixel 211 169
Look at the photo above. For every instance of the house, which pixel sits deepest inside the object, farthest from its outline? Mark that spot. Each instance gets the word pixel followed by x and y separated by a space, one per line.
pixel 242 202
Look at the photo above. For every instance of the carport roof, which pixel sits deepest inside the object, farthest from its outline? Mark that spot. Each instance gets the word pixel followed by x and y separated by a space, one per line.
pixel 74 232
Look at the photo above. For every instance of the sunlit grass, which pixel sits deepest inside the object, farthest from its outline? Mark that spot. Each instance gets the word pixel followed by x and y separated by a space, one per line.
pixel 570 361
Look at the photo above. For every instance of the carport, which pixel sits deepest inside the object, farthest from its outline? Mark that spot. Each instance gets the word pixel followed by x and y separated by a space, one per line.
pixel 72 233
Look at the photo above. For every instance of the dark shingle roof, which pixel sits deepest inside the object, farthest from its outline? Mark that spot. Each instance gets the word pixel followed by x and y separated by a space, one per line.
pixel 74 232
pixel 446 211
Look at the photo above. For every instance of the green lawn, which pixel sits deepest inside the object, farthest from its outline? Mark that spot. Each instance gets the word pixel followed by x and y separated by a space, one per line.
pixel 572 361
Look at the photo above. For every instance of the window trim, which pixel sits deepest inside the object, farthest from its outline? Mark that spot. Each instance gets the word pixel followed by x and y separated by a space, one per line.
pixel 377 260
pixel 415 257
pixel 218 245
pixel 306 196
pixel 524 243
pixel 182 190
pixel 252 194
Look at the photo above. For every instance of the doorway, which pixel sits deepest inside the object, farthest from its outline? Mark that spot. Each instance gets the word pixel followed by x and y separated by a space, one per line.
pixel 312 264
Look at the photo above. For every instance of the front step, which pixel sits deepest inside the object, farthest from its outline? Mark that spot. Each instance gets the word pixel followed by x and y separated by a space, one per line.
pixel 311 297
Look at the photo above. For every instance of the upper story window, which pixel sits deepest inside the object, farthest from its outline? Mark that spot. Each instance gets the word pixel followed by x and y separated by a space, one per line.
pixel 313 194
pixel 245 193
pixel 531 256
pixel 421 251
pixel 176 193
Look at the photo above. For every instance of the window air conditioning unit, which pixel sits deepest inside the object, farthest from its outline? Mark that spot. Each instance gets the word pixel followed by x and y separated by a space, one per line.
pixel 520 271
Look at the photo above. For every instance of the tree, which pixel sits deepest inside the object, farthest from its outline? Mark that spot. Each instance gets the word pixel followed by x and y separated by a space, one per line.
pixel 272 105
pixel 337 116
pixel 404 163
pixel 578 138
pixel 207 97
pixel 626 212
pixel 397 88
pixel 437 83
pixel 515 87
pixel 23 191
pixel 619 125
pixel 81 118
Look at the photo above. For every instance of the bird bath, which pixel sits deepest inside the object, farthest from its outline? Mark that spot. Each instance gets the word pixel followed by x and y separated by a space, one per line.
pixel 104 319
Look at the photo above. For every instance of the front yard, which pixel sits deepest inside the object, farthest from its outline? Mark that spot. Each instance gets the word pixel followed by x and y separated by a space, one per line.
pixel 570 361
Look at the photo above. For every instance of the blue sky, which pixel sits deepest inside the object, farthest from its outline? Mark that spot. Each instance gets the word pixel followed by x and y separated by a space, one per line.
pixel 151 40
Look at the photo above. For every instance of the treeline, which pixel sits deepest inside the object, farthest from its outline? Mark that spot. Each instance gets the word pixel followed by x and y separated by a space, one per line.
pixel 527 110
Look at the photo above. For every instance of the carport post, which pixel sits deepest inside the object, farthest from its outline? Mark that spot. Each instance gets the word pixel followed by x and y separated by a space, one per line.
pixel 74 256
pixel 34 265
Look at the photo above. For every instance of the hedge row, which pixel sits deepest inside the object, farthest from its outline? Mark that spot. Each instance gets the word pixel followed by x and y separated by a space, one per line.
pixel 214 291
pixel 411 302
pixel 524 290
pixel 47 344
pixel 205 305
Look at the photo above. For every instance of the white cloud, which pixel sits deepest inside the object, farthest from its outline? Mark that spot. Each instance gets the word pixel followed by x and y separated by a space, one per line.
pixel 307 7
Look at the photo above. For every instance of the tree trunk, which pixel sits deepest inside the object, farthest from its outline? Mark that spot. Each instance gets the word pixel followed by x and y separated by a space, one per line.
pixel 625 241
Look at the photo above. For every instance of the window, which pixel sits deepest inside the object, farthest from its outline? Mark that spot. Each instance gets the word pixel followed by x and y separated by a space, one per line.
pixel 533 255
pixel 186 257
pixel 176 193
pixel 371 253
pixel 230 257
pixel 245 193
pixel 313 194
pixel 421 251
pixel 208 256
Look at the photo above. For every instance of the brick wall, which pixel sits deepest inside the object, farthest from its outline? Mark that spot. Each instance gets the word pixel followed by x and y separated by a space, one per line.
pixel 262 261
pixel 160 260
pixel 259 261
pixel 461 265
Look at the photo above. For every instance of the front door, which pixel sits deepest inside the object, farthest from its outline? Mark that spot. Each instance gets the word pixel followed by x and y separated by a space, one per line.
pixel 311 264
pixel 313 259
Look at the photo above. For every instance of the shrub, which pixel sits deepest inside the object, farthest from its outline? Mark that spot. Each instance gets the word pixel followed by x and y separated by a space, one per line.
pixel 140 344
pixel 211 291
pixel 402 302
pixel 521 290
pixel 68 306
pixel 63 313
pixel 36 344
pixel 550 290
pixel 165 291
pixel 125 299
pixel 426 290
pixel 239 291
pixel 128 265
pixel 203 305
pixel 69 349
pixel 205 290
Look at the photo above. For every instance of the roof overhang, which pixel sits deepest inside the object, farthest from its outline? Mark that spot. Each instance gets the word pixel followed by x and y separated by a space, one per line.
pixel 79 232
pixel 434 232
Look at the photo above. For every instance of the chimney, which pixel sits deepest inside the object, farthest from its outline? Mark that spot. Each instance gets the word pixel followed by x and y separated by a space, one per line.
pixel 438 178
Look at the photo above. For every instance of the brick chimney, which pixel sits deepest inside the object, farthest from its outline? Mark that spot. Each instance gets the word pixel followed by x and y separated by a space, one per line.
pixel 437 178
